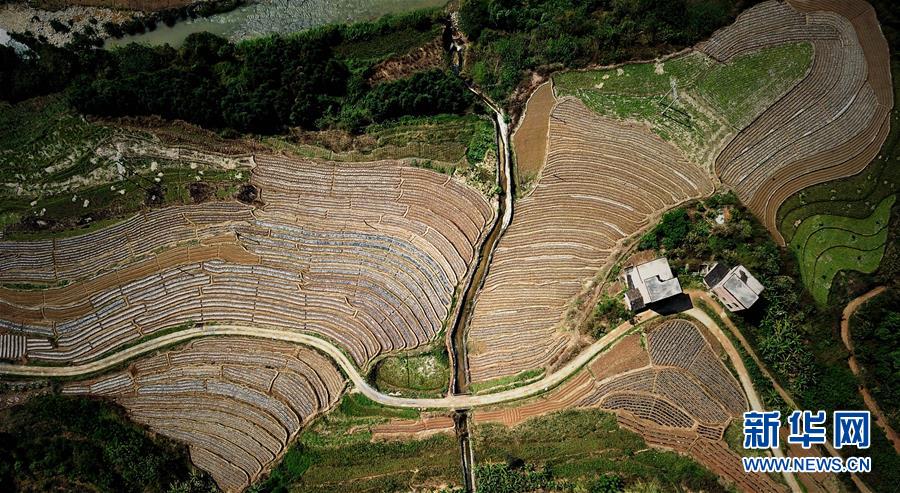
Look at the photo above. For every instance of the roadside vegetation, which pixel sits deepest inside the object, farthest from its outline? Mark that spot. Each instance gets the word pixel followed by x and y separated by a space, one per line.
pixel 421 375
pixel 505 383
pixel 607 314
pixel 580 450
pixel 712 100
pixel 56 443
pixel 336 454
pixel 508 42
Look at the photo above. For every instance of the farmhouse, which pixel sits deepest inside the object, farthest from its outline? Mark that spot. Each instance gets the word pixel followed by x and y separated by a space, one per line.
pixel 648 283
pixel 735 287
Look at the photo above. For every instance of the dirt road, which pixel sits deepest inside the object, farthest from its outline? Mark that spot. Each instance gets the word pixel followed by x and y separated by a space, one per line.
pixel 876 411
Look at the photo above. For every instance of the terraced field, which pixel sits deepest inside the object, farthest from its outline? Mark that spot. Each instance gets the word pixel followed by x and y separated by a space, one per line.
pixel 602 182
pixel 530 138
pixel 831 124
pixel 790 95
pixel 235 402
pixel 827 244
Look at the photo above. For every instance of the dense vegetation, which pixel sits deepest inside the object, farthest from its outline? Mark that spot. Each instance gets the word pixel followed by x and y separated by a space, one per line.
pixel 511 37
pixel 55 443
pixel 579 450
pixel 876 334
pixel 314 79
pixel 717 228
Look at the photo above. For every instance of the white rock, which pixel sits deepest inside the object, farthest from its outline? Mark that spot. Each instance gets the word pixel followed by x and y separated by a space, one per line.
pixel 86 203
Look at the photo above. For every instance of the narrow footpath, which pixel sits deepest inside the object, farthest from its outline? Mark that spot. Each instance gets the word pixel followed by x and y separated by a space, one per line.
pixel 876 411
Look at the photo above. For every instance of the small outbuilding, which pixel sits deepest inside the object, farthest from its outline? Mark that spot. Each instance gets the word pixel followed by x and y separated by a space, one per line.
pixel 736 288
pixel 648 283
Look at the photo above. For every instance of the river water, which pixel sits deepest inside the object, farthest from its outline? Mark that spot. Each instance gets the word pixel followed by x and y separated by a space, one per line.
pixel 275 16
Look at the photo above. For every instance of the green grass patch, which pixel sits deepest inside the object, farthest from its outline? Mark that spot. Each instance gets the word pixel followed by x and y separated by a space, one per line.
pixel 504 383
pixel 576 447
pixel 421 375
pixel 826 244
pixel 710 95
pixel 743 88
pixel 360 406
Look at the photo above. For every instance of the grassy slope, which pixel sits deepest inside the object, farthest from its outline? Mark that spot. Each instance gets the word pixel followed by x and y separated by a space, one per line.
pixel 337 454
pixel 578 446
pixel 826 244
pixel 735 93
pixel 456 145
pixel 51 152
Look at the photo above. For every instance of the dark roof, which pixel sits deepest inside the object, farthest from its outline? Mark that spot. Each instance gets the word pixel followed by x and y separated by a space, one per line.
pixel 715 275
pixel 635 299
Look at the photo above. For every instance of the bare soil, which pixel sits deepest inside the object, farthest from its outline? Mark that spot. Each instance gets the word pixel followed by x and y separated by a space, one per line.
pixel 530 139
pixel 424 57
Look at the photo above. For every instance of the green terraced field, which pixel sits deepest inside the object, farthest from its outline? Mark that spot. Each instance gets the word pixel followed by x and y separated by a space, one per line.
pixel 826 244
pixel 855 196
pixel 712 97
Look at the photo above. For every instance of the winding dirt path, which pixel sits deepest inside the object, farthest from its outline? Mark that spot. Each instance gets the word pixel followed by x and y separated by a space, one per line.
pixel 341 359
pixel 876 411
pixel 360 383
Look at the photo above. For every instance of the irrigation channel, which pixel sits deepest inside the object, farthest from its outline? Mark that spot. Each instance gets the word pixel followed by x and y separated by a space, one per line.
pixel 456 340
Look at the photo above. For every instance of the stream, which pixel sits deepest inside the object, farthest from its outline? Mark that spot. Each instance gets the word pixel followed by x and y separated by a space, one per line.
pixel 264 17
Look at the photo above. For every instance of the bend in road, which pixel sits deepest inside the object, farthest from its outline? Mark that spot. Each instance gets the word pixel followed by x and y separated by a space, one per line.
pixel 349 369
